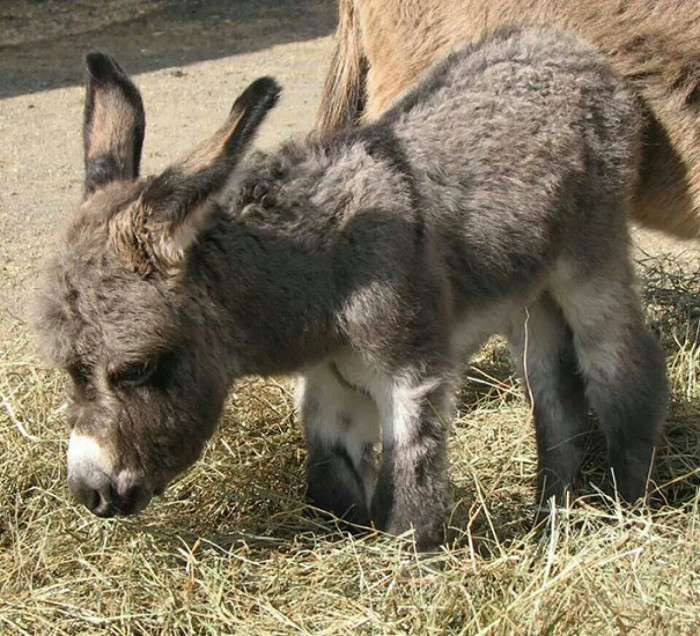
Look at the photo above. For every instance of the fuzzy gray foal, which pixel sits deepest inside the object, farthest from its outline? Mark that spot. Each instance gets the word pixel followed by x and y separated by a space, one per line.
pixel 492 198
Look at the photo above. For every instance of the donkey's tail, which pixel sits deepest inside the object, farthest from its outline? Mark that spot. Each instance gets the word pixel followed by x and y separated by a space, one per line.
pixel 342 100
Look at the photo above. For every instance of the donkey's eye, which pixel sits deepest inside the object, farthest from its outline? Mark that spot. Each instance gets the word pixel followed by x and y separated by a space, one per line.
pixel 80 374
pixel 134 373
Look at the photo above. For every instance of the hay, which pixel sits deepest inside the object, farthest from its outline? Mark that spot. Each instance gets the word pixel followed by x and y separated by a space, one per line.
pixel 232 549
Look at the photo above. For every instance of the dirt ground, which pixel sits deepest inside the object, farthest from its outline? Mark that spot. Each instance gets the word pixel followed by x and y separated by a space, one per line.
pixel 190 59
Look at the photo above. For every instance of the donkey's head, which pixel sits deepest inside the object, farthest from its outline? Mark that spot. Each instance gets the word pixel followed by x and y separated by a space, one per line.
pixel 122 310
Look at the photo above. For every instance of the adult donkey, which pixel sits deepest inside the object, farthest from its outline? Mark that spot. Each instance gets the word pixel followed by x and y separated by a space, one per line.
pixel 385 45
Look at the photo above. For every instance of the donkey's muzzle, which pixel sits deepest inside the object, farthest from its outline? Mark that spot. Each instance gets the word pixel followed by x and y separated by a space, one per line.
pixel 104 497
pixel 95 483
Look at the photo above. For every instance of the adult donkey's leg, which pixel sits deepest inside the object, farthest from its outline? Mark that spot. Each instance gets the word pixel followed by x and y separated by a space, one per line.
pixel 342 428
pixel 411 488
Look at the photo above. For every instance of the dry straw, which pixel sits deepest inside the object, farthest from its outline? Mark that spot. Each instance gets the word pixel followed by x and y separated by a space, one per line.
pixel 232 549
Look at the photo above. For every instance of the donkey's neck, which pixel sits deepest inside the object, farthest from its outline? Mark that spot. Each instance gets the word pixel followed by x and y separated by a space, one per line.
pixel 294 246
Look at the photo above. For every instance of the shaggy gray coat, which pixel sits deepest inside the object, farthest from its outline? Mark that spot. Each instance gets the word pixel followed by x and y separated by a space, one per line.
pixel 492 198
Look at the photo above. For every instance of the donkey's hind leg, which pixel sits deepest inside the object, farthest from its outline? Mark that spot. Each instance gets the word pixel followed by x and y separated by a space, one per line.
pixel 542 345
pixel 342 428
pixel 622 365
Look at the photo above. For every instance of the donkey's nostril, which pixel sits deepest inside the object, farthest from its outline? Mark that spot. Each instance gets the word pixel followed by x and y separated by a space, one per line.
pixel 129 500
pixel 105 506
pixel 90 475
pixel 101 486
pixel 93 499
pixel 97 498
pixel 130 496
pixel 105 496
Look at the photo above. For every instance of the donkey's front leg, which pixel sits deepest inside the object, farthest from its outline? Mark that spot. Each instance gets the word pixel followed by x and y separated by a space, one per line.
pixel 342 428
pixel 411 489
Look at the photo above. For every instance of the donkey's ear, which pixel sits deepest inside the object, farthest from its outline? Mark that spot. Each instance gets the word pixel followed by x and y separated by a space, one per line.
pixel 175 193
pixel 171 212
pixel 114 124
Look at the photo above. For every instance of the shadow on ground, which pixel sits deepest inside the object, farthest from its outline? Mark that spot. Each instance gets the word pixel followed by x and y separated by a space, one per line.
pixel 43 41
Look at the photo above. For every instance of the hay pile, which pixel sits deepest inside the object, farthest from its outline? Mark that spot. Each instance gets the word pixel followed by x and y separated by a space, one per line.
pixel 231 548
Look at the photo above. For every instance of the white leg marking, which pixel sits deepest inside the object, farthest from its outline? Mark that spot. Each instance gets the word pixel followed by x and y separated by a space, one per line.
pixel 401 405
pixel 398 400
pixel 336 414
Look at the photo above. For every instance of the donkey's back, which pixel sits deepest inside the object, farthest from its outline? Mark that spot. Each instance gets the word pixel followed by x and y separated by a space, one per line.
pixel 384 46
pixel 523 147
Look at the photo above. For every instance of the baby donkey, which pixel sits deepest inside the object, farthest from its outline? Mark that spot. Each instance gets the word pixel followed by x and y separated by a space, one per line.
pixel 491 198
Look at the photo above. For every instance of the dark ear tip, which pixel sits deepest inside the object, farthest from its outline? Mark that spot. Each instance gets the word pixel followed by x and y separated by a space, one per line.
pixel 267 85
pixel 264 91
pixel 101 66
